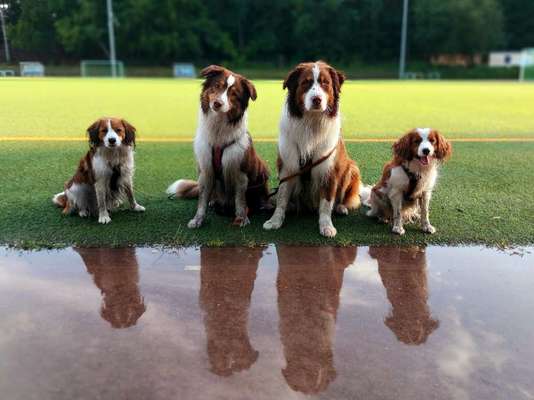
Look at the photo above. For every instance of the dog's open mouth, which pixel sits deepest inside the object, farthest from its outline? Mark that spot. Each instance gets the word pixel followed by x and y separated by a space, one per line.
pixel 424 160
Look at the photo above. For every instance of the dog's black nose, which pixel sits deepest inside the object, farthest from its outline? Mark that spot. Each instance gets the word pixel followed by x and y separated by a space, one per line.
pixel 426 152
pixel 316 101
pixel 112 140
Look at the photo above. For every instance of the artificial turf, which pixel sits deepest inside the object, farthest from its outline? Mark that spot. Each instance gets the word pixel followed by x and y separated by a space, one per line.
pixel 484 195
pixel 166 108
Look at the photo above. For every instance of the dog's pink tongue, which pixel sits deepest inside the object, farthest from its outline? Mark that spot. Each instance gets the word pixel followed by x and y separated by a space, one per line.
pixel 424 160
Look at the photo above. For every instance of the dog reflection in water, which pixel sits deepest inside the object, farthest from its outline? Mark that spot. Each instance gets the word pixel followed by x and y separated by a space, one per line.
pixel 403 273
pixel 116 273
pixel 309 283
pixel 227 280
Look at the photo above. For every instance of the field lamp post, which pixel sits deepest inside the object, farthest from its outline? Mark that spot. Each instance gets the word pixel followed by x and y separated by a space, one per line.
pixel 404 38
pixel 111 33
pixel 4 6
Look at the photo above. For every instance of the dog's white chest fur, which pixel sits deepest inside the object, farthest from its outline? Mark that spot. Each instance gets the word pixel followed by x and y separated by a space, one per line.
pixel 214 130
pixel 308 138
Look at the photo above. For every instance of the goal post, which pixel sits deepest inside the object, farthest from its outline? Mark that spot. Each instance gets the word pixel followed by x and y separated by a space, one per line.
pixel 101 68
pixel 526 69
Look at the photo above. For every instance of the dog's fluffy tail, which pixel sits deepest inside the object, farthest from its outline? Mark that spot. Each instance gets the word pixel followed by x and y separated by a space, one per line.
pixel 365 194
pixel 183 189
pixel 60 200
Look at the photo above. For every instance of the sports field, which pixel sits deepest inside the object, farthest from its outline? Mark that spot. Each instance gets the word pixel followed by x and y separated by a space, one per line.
pixel 484 195
pixel 165 108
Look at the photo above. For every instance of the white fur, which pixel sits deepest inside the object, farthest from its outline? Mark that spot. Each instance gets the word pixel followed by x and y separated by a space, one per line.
pixel 425 143
pixel 395 188
pixel 223 97
pixel 214 130
pixel 315 91
pixel 111 134
pixel 309 137
pixel 97 199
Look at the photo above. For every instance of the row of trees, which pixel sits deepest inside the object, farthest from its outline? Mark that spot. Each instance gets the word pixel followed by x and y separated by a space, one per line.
pixel 275 31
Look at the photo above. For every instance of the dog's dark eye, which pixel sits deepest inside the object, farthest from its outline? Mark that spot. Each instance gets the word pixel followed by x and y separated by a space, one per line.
pixel 119 130
pixel 418 141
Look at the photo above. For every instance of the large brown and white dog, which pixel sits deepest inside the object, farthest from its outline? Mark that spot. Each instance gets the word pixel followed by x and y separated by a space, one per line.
pixel 312 150
pixel 404 191
pixel 231 174
pixel 105 175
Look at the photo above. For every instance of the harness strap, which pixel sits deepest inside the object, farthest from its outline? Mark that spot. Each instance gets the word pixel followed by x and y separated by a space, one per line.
pixel 414 180
pixel 216 157
pixel 305 169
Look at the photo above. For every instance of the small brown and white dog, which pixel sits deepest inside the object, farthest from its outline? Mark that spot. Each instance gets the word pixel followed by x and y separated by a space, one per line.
pixel 231 174
pixel 311 149
pixel 105 175
pixel 404 191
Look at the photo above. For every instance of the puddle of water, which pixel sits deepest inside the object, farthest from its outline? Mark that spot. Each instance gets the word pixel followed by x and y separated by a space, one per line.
pixel 267 323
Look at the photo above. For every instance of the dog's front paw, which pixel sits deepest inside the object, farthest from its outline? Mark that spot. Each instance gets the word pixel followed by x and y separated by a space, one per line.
pixel 104 219
pixel 138 208
pixel 83 213
pixel 399 230
pixel 328 231
pixel 195 223
pixel 273 223
pixel 427 228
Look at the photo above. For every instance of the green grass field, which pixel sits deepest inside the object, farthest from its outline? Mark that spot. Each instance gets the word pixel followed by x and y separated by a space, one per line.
pixel 484 195
pixel 165 108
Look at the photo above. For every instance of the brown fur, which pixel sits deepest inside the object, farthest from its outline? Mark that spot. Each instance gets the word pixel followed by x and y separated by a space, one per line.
pixel 300 79
pixel 226 283
pixel 309 284
pixel 403 273
pixel 343 184
pixel 116 274
pixel 238 95
pixel 84 173
pixel 252 165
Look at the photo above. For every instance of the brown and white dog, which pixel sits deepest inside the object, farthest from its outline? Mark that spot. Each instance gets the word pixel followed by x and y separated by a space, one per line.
pixel 105 175
pixel 404 191
pixel 310 140
pixel 231 174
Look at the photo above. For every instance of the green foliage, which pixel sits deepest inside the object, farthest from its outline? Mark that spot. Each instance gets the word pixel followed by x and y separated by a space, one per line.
pixel 275 31
pixel 457 26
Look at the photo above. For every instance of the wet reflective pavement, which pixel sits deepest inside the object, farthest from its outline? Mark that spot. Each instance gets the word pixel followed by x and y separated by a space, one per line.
pixel 267 323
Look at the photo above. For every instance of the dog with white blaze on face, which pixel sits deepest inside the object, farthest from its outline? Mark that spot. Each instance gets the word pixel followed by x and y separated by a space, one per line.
pixel 104 177
pixel 315 170
pixel 232 176
pixel 404 191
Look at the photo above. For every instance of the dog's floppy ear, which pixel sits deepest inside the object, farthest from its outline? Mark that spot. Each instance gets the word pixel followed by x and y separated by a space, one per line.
pixel 292 78
pixel 250 88
pixel 403 147
pixel 443 147
pixel 291 83
pixel 129 133
pixel 92 132
pixel 211 71
pixel 337 80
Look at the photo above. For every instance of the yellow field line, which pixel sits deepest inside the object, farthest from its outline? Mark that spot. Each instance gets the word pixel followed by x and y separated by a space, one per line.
pixel 263 140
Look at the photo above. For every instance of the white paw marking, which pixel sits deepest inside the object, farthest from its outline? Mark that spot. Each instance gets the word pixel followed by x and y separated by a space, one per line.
pixel 427 228
pixel 104 219
pixel 195 223
pixel 399 230
pixel 83 213
pixel 328 231
pixel 271 224
pixel 139 208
